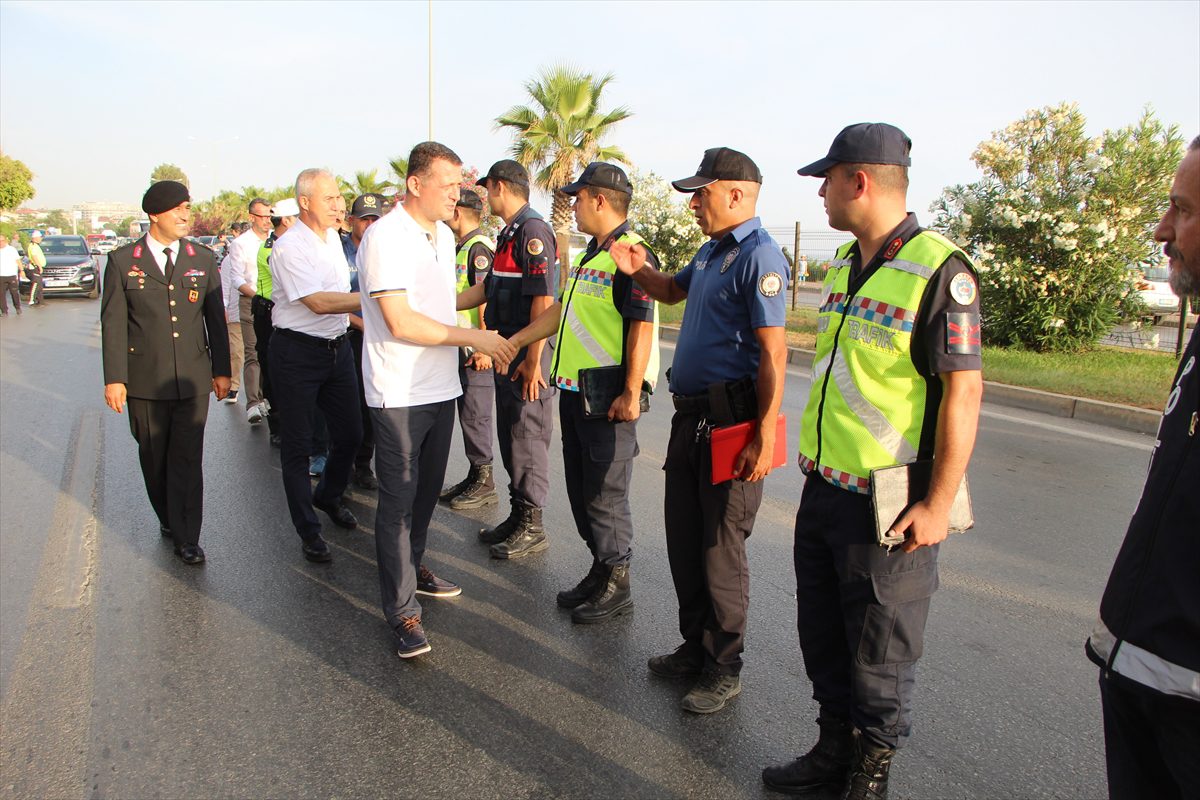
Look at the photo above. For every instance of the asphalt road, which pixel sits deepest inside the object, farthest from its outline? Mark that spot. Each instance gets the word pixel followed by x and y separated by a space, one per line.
pixel 126 674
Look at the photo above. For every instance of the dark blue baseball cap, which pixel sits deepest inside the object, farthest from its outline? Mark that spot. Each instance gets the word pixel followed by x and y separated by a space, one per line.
pixel 601 175
pixel 864 143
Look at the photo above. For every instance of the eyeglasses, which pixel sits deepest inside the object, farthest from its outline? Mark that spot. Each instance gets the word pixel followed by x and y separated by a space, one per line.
pixel 260 216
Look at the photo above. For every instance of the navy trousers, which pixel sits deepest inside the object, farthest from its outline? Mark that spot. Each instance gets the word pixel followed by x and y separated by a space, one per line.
pixel 410 462
pixel 861 612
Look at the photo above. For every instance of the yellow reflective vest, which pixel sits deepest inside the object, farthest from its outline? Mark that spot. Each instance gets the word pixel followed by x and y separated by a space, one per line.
pixel 470 317
pixel 591 331
pixel 866 408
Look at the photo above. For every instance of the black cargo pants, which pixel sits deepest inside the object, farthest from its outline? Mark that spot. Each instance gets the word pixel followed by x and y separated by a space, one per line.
pixel 861 612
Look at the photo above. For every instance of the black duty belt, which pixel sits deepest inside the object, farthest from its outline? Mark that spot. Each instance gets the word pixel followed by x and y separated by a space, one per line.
pixel 696 404
pixel 313 341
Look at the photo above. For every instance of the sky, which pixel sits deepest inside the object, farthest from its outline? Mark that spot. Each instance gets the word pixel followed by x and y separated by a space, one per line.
pixel 94 95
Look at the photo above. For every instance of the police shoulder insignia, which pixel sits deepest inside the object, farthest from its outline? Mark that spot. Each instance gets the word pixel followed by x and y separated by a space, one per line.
pixel 962 334
pixel 963 289
pixel 534 247
pixel 729 258
pixel 770 284
pixel 481 262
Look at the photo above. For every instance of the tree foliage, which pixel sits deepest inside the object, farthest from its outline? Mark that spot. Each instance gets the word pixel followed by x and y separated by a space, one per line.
pixel 662 219
pixel 560 132
pixel 168 172
pixel 1058 220
pixel 16 183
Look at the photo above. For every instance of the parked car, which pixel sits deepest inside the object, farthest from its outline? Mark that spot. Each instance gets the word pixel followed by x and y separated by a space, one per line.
pixel 105 246
pixel 1156 293
pixel 70 268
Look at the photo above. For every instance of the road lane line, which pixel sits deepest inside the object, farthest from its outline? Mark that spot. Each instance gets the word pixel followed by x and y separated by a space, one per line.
pixel 47 706
pixel 1146 445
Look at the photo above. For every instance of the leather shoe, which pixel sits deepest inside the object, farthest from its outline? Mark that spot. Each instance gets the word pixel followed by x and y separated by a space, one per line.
pixel 317 550
pixel 341 516
pixel 190 554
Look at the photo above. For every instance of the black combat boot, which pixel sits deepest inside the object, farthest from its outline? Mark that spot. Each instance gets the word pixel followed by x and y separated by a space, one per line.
pixel 481 491
pixel 611 598
pixel 826 764
pixel 569 598
pixel 528 538
pixel 869 775
pixel 451 492
pixel 502 531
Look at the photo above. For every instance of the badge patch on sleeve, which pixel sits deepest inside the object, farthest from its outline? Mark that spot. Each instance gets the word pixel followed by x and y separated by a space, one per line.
pixel 770 284
pixel 962 289
pixel 962 333
pixel 534 247
pixel 481 262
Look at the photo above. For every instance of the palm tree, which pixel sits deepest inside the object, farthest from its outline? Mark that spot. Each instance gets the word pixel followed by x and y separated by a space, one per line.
pixel 399 168
pixel 559 134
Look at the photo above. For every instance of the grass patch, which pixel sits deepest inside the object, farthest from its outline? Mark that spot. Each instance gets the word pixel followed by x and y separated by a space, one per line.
pixel 1113 374
pixel 1131 377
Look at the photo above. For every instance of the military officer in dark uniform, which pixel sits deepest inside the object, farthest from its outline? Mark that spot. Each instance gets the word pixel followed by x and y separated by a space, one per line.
pixel 520 287
pixel 165 348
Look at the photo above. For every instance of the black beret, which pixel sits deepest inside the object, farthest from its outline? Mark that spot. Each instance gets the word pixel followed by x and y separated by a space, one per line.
pixel 163 196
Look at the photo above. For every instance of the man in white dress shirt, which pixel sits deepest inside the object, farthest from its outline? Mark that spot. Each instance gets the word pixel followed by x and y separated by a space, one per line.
pixel 243 260
pixel 311 360
pixel 410 376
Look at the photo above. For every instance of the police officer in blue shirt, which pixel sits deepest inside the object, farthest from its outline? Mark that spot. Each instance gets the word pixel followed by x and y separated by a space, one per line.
pixel 729 367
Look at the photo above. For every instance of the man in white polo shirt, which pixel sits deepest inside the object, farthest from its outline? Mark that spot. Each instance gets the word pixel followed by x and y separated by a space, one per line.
pixel 311 360
pixel 243 255
pixel 407 278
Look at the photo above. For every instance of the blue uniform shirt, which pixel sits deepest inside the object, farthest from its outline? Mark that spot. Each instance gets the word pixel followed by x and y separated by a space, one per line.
pixel 734 285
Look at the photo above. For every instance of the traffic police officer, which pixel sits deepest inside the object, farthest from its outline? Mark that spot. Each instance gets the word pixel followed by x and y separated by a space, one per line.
pixel 519 288
pixel 896 378
pixel 729 367
pixel 603 320
pixel 165 347
pixel 472 263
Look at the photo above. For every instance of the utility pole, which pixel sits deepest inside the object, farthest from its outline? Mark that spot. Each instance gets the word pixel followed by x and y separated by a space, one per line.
pixel 795 264
pixel 430 8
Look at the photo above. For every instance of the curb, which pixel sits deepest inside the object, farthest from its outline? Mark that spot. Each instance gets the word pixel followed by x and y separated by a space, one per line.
pixel 1113 415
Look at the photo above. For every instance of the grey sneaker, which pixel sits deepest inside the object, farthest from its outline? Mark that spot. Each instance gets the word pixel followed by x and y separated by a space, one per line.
pixel 711 692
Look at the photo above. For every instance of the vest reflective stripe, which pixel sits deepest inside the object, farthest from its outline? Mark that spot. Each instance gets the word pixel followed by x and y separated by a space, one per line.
pixel 1138 664
pixel 866 409
pixel 591 330
pixel 470 317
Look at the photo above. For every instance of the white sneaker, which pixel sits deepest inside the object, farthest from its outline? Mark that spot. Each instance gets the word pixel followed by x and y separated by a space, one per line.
pixel 255 414
pixel 231 398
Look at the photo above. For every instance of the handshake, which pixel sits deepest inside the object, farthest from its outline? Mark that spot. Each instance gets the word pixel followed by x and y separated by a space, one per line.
pixel 492 345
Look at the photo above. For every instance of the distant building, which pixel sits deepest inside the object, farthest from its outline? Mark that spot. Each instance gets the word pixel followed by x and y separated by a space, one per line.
pixel 93 212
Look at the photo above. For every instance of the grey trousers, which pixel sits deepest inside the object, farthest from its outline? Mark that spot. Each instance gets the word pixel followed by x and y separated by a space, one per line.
pixel 412 446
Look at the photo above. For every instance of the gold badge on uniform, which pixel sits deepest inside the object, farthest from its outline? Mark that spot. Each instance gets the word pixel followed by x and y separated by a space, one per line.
pixel 535 247
pixel 770 284
pixel 193 296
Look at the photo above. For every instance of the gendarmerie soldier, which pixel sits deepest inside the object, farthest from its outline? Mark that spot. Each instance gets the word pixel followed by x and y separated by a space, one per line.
pixel 520 287
pixel 607 325
pixel 896 379
pixel 472 264
pixel 165 348
pixel 729 367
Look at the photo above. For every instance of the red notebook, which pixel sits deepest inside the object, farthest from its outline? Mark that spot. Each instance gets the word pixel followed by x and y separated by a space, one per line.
pixel 730 441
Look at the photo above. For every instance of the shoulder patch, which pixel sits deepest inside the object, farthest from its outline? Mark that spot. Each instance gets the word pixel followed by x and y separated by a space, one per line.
pixel 962 333
pixel 481 262
pixel 534 247
pixel 770 284
pixel 962 289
